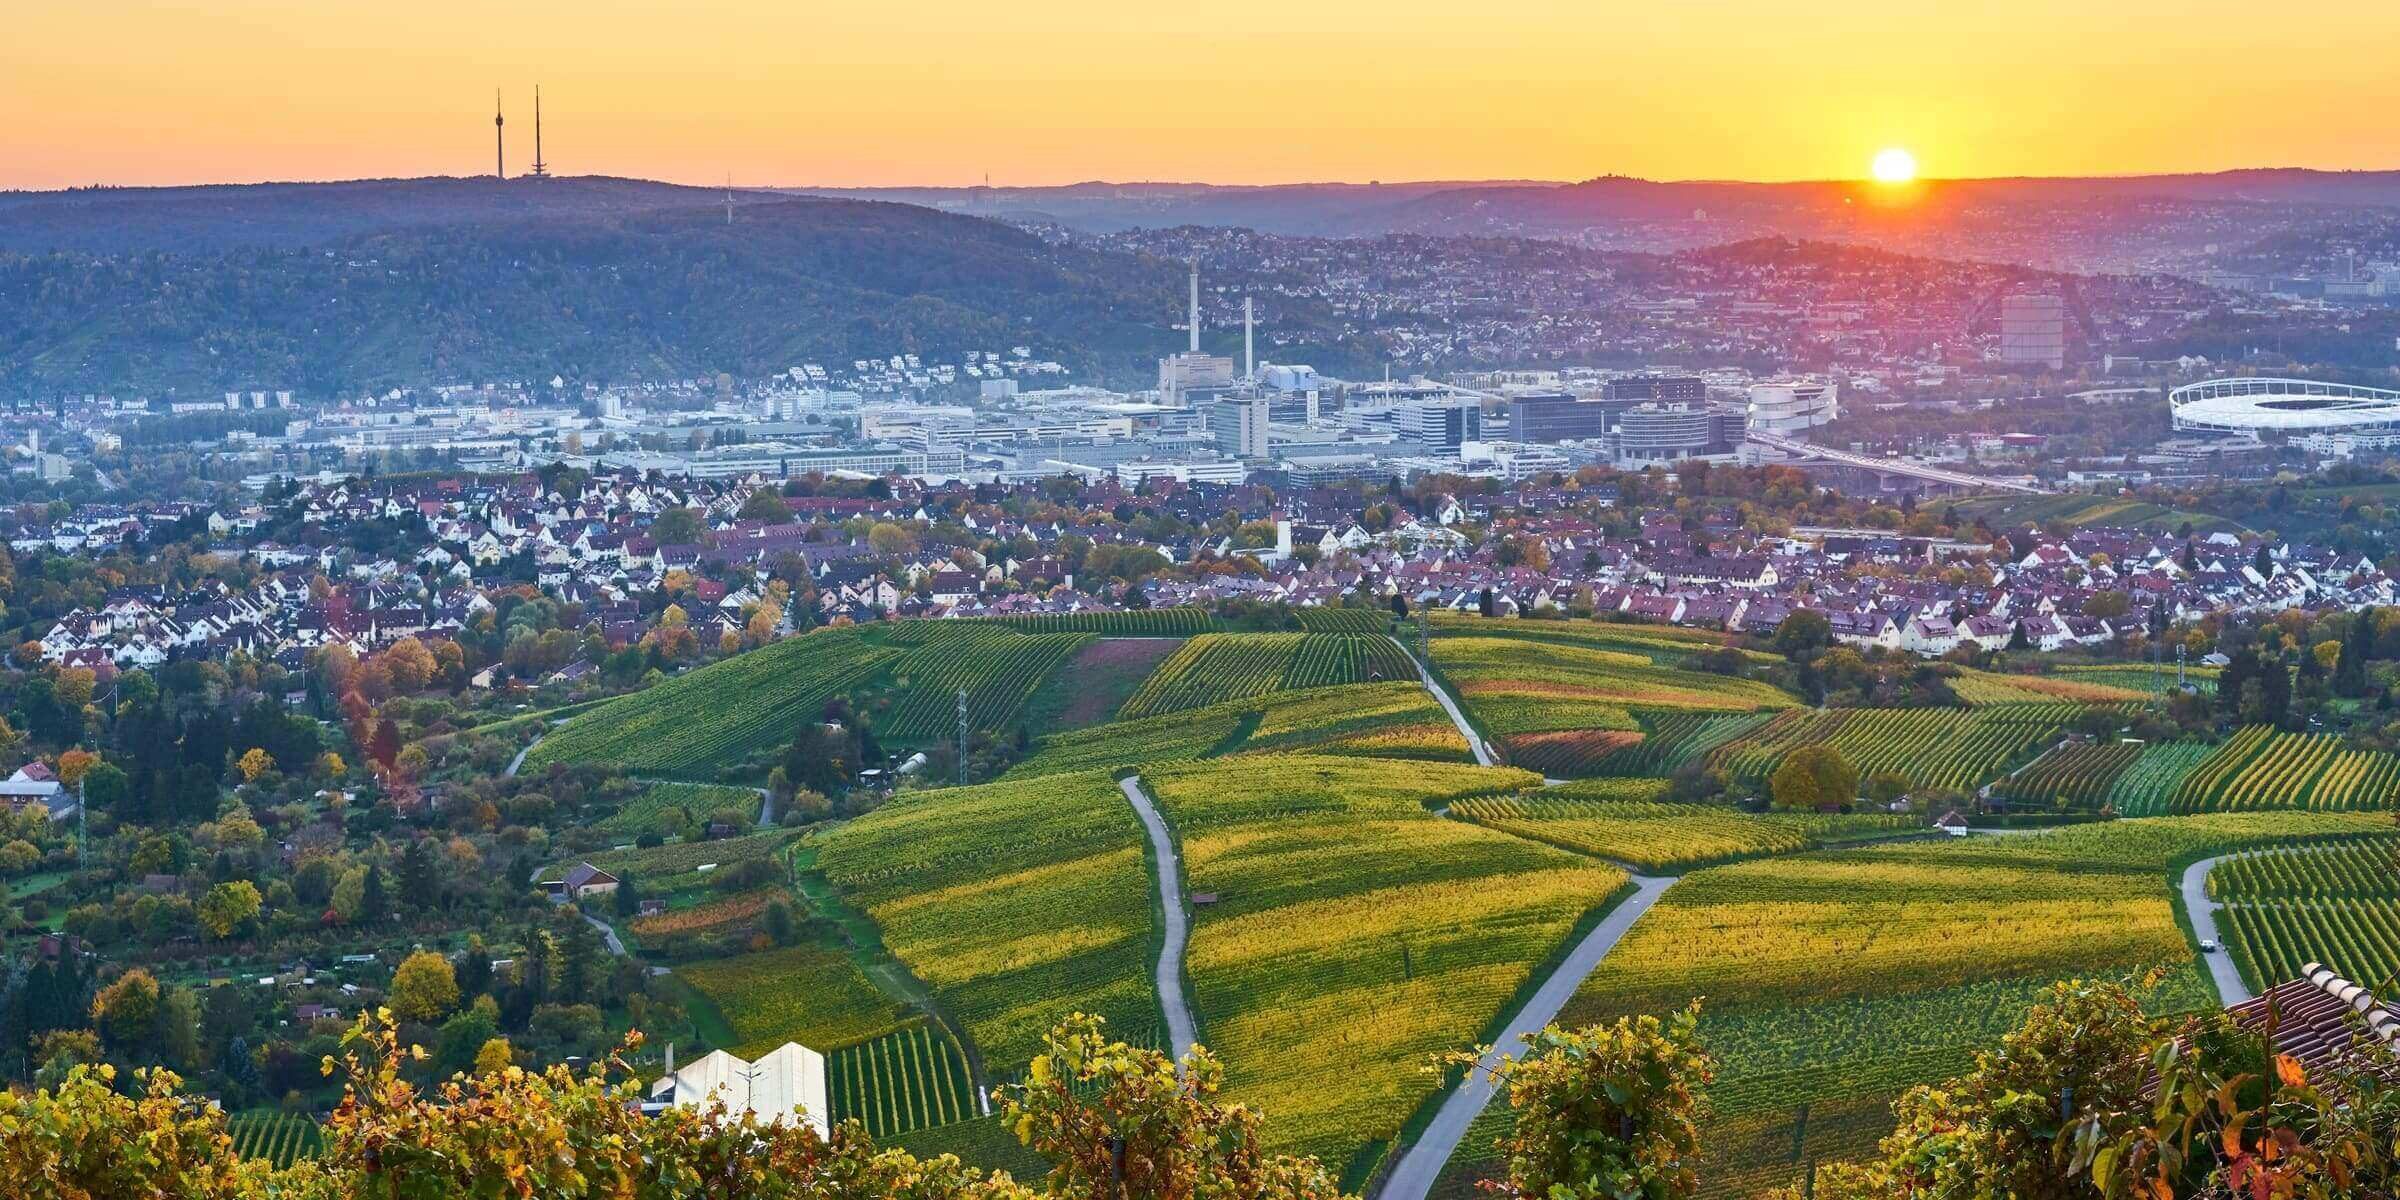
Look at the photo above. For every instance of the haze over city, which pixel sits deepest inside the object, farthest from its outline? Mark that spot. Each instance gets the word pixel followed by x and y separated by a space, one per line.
pixel 942 92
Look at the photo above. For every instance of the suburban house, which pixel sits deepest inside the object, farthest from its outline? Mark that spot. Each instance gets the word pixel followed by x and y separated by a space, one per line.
pixel 582 881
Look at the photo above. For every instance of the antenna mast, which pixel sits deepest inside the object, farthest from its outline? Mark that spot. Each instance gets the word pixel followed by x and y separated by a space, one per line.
pixel 499 139
pixel 541 170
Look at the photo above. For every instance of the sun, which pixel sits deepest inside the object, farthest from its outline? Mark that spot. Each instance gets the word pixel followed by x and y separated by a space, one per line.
pixel 1895 165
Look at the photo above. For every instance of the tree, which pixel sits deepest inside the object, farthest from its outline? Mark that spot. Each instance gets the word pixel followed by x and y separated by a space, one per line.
pixel 126 1011
pixel 1116 1121
pixel 1608 1112
pixel 228 907
pixel 494 1057
pixel 782 927
pixel 424 988
pixel 1814 776
pixel 765 505
pixel 677 527
pixel 254 763
pixel 1802 633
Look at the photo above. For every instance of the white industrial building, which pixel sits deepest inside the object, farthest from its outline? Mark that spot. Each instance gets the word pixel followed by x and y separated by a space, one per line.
pixel 787 1081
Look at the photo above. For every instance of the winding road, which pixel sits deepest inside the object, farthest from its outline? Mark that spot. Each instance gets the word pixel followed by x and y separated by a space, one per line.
pixel 2196 901
pixel 1413 1177
pixel 1458 716
pixel 1182 1032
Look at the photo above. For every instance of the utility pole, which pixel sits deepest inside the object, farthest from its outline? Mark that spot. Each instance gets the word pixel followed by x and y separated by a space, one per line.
pixel 962 737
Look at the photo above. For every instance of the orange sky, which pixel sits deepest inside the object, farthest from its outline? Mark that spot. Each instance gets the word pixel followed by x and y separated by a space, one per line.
pixel 838 92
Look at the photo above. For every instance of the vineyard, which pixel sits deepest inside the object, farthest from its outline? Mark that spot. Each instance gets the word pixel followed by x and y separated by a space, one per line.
pixel 1014 901
pixel 2147 680
pixel 1671 738
pixel 1151 622
pixel 1519 686
pixel 680 867
pixel 278 1138
pixel 1355 934
pixel 696 722
pixel 2259 767
pixel 1664 645
pixel 1932 747
pixel 998 668
pixel 662 806
pixel 1836 979
pixel 1389 720
pixel 1623 824
pixel 1568 753
pixel 1344 620
pixel 2080 773
pixel 912 1078
pixel 1217 667
pixel 2144 786
pixel 810 994
pixel 2338 905
pixel 1985 687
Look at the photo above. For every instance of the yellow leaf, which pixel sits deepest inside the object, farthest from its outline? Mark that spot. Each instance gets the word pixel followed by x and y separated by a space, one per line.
pixel 2289 1070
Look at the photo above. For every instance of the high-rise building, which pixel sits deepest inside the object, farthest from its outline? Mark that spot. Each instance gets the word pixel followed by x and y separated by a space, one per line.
pixel 1442 423
pixel 1789 406
pixel 1239 424
pixel 2033 331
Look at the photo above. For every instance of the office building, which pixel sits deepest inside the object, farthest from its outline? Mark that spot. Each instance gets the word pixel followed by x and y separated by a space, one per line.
pixel 1553 417
pixel 1239 424
pixel 1441 423
pixel 2033 331
pixel 1792 406
pixel 1665 389
pixel 1665 433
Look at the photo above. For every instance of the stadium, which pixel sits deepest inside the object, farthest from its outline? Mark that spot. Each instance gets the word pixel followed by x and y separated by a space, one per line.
pixel 2282 406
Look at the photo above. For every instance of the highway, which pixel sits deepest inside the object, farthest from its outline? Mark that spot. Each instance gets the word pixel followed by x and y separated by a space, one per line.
pixel 1893 466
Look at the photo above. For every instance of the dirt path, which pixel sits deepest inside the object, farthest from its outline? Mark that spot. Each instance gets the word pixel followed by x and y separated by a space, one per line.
pixel 1458 716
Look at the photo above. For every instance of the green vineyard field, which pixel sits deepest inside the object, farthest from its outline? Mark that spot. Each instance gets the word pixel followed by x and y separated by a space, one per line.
pixel 912 1078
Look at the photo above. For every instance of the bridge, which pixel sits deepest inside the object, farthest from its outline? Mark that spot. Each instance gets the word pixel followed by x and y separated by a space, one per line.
pixel 1906 468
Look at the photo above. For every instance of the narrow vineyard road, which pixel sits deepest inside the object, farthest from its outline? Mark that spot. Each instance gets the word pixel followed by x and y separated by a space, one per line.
pixel 1413 1178
pixel 1181 1030
pixel 519 760
pixel 1458 716
pixel 2203 909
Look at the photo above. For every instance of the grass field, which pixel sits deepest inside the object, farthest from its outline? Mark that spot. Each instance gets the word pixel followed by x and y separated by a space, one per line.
pixel 1016 902
pixel 1354 934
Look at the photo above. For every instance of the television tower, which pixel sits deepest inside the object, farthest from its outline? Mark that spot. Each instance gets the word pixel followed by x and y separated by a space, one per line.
pixel 499 139
pixel 1195 317
pixel 541 170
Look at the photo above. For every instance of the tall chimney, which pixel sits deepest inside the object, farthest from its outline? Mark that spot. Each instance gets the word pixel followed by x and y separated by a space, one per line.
pixel 1249 368
pixel 1195 319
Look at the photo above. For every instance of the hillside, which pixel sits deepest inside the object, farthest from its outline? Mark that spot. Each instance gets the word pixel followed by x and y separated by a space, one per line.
pixel 595 292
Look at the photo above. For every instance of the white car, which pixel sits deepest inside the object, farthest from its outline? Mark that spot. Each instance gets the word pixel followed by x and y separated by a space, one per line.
pixel 2209 947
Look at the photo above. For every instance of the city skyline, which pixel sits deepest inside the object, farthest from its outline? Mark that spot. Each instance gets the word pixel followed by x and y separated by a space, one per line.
pixel 1244 93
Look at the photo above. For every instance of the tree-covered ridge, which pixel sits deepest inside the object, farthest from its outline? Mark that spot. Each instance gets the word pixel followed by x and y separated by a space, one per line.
pixel 668 293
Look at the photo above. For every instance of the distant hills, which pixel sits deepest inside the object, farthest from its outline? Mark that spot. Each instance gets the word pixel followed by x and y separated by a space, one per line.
pixel 333 287
pixel 2144 222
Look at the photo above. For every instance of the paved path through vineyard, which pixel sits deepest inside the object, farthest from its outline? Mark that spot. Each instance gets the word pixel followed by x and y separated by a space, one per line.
pixel 1181 1033
pixel 1483 753
pixel 2196 901
pixel 1422 1164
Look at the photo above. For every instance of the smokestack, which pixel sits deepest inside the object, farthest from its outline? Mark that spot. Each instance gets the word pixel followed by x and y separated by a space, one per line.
pixel 1249 369
pixel 1195 319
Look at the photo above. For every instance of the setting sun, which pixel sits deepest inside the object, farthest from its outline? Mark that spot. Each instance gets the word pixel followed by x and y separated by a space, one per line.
pixel 1895 165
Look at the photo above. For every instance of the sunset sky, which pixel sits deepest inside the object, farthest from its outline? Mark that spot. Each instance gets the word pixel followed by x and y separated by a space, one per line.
pixel 835 92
